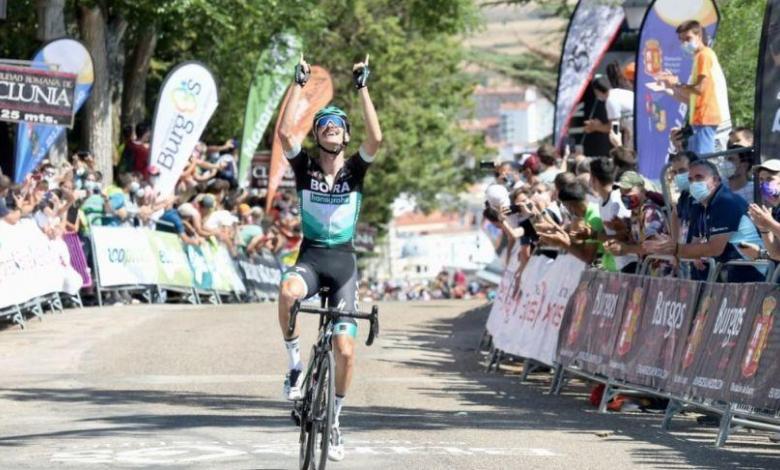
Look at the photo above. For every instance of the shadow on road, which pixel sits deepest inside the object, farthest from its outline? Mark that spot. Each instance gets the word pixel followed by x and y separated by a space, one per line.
pixel 444 349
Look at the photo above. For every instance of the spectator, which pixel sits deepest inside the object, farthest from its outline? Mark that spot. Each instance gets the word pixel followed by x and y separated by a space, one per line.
pixel 532 168
pixel 647 221
pixel 619 103
pixel 682 209
pixel 614 215
pixel 139 149
pixel 549 159
pixel 767 217
pixel 737 167
pixel 718 224
pixel 581 238
pixel 171 221
pixel 705 92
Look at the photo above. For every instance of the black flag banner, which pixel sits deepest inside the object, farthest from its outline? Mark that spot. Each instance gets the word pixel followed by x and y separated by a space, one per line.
pixel 767 108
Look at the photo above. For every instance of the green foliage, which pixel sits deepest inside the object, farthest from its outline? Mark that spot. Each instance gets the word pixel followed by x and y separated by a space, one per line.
pixel 417 83
pixel 736 45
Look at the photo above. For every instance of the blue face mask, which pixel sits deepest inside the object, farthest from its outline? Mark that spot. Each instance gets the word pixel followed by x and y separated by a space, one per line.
pixel 681 180
pixel 699 190
pixel 689 48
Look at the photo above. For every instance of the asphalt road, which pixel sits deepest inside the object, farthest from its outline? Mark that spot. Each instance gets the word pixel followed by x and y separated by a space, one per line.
pixel 200 387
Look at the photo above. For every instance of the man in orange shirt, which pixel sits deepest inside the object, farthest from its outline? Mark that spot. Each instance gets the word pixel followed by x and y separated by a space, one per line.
pixel 705 93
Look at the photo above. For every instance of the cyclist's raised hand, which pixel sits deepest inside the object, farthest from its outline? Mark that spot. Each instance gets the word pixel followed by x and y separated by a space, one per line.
pixel 360 73
pixel 302 72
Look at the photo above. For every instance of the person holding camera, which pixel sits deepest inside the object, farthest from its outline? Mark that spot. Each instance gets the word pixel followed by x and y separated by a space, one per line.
pixel 705 93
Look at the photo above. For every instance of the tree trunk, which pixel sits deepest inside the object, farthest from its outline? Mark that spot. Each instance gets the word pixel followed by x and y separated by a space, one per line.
pixel 51 19
pixel 116 66
pixel 134 99
pixel 97 115
pixel 51 25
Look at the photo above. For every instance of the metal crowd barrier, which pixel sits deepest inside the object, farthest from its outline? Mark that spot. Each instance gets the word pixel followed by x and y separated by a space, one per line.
pixel 731 414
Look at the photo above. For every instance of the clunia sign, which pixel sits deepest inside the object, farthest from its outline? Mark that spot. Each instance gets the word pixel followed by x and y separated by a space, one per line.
pixel 36 96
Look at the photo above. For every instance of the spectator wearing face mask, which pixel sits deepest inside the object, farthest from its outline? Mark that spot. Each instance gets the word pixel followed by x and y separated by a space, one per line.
pixel 737 167
pixel 767 216
pixel 682 209
pixel 719 224
pixel 647 221
pixel 705 93
pixel 614 215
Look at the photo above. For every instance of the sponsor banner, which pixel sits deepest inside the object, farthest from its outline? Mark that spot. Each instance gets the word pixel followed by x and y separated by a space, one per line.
pixel 124 256
pixel 36 95
pixel 230 280
pixel 173 268
pixel 78 259
pixel 537 317
pixel 202 276
pixel 653 335
pixel 767 108
pixel 592 28
pixel 34 139
pixel 31 265
pixel 656 111
pixel 315 95
pixel 595 320
pixel 508 292
pixel 755 380
pixel 188 98
pixel 272 75
pixel 711 351
pixel 261 274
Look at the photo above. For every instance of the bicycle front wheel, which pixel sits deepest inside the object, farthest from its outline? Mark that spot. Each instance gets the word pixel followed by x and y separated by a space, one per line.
pixel 323 400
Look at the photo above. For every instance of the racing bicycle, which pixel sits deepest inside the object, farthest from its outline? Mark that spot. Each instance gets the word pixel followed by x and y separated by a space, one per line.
pixel 314 411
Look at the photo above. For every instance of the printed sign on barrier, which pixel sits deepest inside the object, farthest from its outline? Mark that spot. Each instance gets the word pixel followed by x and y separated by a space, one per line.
pixel 173 268
pixel 654 336
pixel 31 265
pixel 596 318
pixel 539 312
pixel 261 274
pixel 124 256
pixel 755 380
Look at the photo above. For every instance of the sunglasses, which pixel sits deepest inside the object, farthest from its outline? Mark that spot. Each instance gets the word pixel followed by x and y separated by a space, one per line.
pixel 334 120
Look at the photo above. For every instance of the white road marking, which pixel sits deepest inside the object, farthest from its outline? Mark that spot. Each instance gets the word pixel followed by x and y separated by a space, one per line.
pixel 183 452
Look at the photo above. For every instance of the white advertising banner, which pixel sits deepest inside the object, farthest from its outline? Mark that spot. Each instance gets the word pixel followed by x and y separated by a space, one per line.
pixel 187 101
pixel 528 321
pixel 124 256
pixel 31 265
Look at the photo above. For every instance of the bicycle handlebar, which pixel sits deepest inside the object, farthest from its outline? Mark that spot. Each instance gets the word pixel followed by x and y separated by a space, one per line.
pixel 333 314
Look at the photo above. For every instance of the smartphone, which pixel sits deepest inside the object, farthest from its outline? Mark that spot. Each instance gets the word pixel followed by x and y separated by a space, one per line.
pixel 615 128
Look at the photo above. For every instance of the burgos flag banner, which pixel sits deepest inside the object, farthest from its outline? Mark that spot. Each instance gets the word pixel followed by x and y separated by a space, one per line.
pixel 768 87
pixel 656 110
pixel 187 101
pixel 316 95
pixel 33 141
pixel 592 28
pixel 272 75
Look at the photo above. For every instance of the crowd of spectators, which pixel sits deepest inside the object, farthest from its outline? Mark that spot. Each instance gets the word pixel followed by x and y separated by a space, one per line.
pixel 601 209
pixel 208 206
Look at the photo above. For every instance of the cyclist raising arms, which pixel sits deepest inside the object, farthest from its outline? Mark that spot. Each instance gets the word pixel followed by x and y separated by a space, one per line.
pixel 329 190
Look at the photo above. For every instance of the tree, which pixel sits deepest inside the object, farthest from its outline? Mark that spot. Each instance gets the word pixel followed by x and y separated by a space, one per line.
pixel 736 45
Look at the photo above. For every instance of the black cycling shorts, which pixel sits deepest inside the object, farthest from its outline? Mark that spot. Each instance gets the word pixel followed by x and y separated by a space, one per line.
pixel 335 269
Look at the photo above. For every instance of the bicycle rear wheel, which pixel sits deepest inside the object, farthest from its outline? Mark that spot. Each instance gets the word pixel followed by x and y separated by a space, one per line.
pixel 322 413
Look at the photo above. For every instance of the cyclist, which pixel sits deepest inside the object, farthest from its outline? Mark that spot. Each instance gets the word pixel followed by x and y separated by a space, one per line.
pixel 329 190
